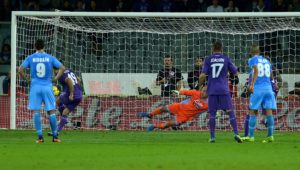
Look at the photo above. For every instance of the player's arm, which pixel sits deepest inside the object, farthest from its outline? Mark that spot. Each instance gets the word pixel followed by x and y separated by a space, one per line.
pixel 21 70
pixel 203 75
pixel 69 82
pixel 186 92
pixel 160 78
pixel 61 70
pixel 178 80
pixel 202 79
pixel 60 66
pixel 254 77
pixel 234 76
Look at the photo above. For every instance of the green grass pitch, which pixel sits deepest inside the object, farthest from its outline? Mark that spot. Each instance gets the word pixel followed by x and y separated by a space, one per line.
pixel 141 150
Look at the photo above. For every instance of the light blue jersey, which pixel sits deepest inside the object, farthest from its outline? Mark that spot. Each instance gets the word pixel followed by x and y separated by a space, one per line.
pixel 264 67
pixel 41 68
pixel 263 95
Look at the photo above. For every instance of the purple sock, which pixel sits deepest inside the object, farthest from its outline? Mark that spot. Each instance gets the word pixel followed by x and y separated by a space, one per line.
pixel 63 121
pixel 233 122
pixel 246 125
pixel 212 124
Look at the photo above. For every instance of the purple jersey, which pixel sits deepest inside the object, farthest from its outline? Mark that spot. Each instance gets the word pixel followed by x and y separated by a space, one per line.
pixel 77 89
pixel 216 67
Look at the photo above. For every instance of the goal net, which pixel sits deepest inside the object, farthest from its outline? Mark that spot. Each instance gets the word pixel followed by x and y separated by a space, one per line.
pixel 118 56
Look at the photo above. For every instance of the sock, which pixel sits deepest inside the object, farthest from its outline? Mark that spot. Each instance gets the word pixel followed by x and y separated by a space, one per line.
pixel 246 125
pixel 252 124
pixel 233 123
pixel 53 124
pixel 38 124
pixel 63 122
pixel 161 125
pixel 212 124
pixel 270 122
pixel 156 111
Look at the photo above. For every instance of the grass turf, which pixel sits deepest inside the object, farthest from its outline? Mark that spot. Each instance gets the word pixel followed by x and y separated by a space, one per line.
pixel 142 150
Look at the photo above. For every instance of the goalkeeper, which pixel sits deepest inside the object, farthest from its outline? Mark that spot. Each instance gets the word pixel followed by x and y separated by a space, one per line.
pixel 183 112
pixel 70 97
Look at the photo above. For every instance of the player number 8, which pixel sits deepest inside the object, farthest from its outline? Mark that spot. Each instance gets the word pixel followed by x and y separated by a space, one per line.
pixel 263 70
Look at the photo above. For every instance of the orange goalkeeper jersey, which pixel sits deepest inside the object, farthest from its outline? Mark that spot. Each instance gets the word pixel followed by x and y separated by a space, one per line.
pixel 195 103
pixel 189 108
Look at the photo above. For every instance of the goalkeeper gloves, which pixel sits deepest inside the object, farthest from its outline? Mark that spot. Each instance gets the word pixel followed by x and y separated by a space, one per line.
pixel 175 92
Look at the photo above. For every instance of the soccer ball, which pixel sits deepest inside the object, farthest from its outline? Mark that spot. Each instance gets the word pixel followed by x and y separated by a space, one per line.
pixel 55 90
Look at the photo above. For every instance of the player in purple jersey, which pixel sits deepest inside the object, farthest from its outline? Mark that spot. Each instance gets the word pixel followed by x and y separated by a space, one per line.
pixel 70 97
pixel 216 68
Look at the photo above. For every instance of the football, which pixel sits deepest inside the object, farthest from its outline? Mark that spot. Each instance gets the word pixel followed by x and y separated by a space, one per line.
pixel 55 90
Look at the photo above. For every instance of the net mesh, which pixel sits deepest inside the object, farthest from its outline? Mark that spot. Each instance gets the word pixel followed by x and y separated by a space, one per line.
pixel 133 48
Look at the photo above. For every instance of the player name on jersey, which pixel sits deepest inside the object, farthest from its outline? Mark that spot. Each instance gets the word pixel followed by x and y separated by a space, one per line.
pixel 213 60
pixel 44 59
pixel 262 60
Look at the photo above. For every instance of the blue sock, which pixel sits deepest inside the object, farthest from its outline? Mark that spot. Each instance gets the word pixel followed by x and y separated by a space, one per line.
pixel 246 125
pixel 252 124
pixel 233 122
pixel 270 122
pixel 212 124
pixel 53 124
pixel 38 124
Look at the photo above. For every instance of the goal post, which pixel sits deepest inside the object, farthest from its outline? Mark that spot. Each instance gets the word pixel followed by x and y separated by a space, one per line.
pixel 115 53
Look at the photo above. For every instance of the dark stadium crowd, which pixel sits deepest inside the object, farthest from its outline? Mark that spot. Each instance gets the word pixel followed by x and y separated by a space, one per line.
pixel 7 6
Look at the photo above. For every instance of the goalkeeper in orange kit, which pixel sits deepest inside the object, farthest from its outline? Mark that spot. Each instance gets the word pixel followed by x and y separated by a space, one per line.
pixel 183 112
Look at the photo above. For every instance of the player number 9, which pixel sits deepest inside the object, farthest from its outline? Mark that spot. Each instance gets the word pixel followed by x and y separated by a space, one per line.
pixel 40 70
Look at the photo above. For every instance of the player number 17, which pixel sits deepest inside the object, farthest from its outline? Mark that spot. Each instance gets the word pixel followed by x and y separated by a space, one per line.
pixel 216 69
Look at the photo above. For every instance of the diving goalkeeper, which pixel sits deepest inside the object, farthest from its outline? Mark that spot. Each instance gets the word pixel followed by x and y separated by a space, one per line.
pixel 183 112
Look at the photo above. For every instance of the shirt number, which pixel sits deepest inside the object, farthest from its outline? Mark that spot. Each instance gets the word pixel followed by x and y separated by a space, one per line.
pixel 73 78
pixel 263 70
pixel 216 69
pixel 40 70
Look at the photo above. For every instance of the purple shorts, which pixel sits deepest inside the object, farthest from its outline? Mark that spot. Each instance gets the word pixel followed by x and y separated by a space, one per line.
pixel 65 102
pixel 219 102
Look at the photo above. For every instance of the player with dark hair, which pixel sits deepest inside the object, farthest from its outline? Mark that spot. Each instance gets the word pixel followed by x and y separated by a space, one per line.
pixel 216 68
pixel 262 96
pixel 169 78
pixel 183 112
pixel 41 67
pixel 70 98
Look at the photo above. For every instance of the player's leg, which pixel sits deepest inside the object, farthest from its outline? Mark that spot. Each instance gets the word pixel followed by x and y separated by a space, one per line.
pixel 263 119
pixel 162 125
pixel 61 108
pixel 35 102
pixel 179 118
pixel 159 110
pixel 256 99
pixel 69 108
pixel 226 104
pixel 212 109
pixel 252 124
pixel 49 100
pixel 246 126
pixel 269 104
